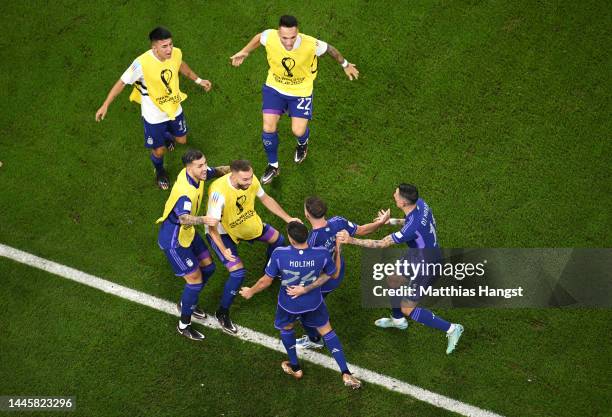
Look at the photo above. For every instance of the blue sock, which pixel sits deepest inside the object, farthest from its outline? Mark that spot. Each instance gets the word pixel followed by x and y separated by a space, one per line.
pixel 232 286
pixel 313 333
pixel 158 163
pixel 335 348
pixel 396 313
pixel 207 272
pixel 288 339
pixel 270 143
pixel 304 138
pixel 279 242
pixel 429 319
pixel 189 300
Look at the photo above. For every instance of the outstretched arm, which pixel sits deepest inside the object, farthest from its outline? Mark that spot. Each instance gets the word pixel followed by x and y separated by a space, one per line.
pixel 263 283
pixel 114 92
pixel 276 209
pixel 188 72
pixel 189 220
pixel 349 69
pixel 239 57
pixel 344 237
pixel 380 220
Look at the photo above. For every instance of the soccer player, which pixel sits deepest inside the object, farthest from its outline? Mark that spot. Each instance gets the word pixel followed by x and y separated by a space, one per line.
pixel 231 204
pixel 302 270
pixel 154 75
pixel 183 246
pixel 293 61
pixel 418 231
pixel 324 234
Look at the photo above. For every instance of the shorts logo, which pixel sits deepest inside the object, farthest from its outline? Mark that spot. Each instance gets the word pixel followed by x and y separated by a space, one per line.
pixel 166 77
pixel 189 263
pixel 288 64
pixel 150 140
pixel 239 203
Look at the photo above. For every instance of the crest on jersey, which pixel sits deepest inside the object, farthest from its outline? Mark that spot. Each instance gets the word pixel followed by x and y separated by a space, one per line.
pixel 288 64
pixel 166 77
pixel 239 203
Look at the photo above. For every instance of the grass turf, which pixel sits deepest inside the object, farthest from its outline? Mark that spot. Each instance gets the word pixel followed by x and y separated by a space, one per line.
pixel 498 111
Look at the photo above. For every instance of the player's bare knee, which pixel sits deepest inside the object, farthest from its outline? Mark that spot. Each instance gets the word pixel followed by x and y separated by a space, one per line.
pixel 159 152
pixel 326 328
pixel 181 139
pixel 236 267
pixel 205 262
pixel 274 237
pixel 194 278
pixel 288 327
pixel 298 130
pixel 269 127
pixel 406 310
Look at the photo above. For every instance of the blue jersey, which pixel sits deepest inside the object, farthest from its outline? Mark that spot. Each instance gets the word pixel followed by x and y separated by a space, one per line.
pixel 419 229
pixel 169 229
pixel 326 237
pixel 299 267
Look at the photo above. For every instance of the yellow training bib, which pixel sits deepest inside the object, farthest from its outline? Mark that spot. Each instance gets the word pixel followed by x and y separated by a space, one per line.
pixel 292 71
pixel 238 217
pixel 182 187
pixel 162 80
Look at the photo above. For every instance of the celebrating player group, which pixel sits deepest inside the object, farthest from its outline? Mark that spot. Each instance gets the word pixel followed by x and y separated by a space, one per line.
pixel 309 265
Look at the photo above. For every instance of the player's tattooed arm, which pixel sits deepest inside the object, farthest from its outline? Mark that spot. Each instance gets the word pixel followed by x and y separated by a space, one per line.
pixel 189 220
pixel 222 170
pixel 296 290
pixel 349 69
pixel 344 237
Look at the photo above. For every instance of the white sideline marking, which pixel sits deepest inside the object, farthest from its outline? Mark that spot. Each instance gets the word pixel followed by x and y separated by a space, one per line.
pixel 244 333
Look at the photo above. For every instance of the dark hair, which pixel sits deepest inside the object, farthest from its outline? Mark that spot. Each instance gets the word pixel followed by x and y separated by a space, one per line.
pixel 241 165
pixel 315 207
pixel 409 192
pixel 159 34
pixel 297 231
pixel 288 21
pixel 191 155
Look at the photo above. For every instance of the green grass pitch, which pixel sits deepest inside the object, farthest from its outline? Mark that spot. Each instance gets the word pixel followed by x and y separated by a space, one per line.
pixel 498 111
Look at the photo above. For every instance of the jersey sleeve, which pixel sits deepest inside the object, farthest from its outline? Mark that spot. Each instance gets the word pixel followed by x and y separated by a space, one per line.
pixel 264 37
pixel 321 47
pixel 210 173
pixel 260 191
pixel 182 206
pixel 348 225
pixel 407 233
pixel 133 73
pixel 330 266
pixel 272 268
pixel 216 202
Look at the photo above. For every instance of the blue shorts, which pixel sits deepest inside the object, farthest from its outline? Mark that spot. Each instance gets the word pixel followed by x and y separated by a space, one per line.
pixel 332 283
pixel 187 260
pixel 315 318
pixel 155 134
pixel 421 281
pixel 277 103
pixel 266 235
